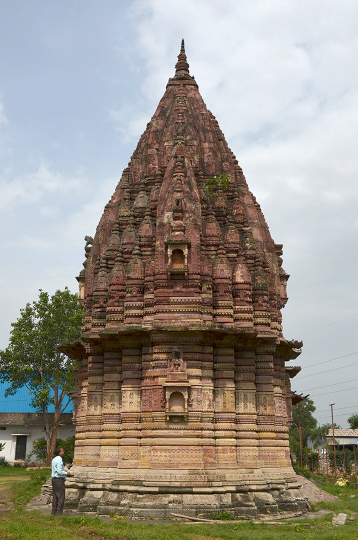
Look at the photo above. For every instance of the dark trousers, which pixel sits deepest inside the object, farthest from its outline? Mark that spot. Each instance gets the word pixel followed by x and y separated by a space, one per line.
pixel 58 495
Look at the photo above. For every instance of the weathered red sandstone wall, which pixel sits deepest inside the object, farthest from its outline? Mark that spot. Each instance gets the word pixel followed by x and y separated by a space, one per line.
pixel 182 380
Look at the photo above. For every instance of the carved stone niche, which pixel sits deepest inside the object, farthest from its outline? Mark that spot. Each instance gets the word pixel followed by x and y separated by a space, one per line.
pixel 177 389
pixel 177 259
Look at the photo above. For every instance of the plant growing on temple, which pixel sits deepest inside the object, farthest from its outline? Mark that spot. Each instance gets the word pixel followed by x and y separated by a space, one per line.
pixel 353 421
pixel 33 359
pixel 219 183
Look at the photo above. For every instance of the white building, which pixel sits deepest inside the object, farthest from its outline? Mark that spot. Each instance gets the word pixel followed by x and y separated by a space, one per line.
pixel 19 430
pixel 20 425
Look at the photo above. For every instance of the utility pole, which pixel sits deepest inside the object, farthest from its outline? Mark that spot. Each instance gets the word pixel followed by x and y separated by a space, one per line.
pixel 344 463
pixel 319 459
pixel 334 443
pixel 299 430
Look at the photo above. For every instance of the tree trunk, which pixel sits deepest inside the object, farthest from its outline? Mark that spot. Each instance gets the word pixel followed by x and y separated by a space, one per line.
pixel 51 442
pixel 52 445
pixel 48 436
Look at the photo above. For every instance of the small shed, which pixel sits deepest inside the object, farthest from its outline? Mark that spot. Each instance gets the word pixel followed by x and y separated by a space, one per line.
pixel 343 437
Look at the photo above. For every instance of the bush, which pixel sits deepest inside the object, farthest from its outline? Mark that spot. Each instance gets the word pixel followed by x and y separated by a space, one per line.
pixel 38 478
pixel 69 447
pixel 347 458
pixel 309 459
pixel 303 471
pixel 40 449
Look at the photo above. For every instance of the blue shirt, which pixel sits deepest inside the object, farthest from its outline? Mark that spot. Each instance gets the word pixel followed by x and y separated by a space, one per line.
pixel 58 470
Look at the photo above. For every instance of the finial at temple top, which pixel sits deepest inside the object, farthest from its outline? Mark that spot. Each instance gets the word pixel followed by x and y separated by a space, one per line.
pixel 182 66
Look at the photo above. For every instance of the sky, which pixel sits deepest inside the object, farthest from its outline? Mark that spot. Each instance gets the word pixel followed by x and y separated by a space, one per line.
pixel 80 79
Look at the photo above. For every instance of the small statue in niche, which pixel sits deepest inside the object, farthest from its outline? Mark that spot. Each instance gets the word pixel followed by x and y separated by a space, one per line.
pixel 176 364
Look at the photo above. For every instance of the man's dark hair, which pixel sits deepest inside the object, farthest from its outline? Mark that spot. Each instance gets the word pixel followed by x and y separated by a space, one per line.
pixel 58 450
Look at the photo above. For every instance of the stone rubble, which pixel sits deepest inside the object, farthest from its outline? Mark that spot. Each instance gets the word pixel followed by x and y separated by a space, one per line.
pixel 339 519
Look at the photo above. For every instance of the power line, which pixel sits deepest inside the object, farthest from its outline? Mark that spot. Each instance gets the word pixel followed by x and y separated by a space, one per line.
pixel 333 384
pixel 340 408
pixel 330 324
pixel 325 371
pixel 331 360
pixel 335 391
pixel 343 414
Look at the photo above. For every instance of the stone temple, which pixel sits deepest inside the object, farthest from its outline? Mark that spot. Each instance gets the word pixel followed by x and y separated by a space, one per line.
pixel 183 399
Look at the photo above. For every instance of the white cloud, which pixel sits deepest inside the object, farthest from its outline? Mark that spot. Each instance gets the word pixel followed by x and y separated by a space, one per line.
pixel 3 119
pixel 5 148
pixel 31 188
pixel 281 78
pixel 84 220
pixel 50 211
pixel 129 122
pixel 36 243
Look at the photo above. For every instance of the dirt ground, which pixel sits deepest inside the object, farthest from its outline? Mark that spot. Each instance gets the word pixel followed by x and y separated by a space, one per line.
pixel 313 492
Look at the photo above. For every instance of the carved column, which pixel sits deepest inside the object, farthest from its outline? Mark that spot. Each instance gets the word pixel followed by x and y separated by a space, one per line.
pixel 130 407
pixel 94 406
pixel 224 369
pixel 112 376
pixel 245 379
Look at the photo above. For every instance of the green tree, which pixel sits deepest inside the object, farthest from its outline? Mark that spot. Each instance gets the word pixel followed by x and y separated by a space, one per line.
pixel 40 448
pixel 353 421
pixel 344 460
pixel 302 416
pixel 320 433
pixel 33 359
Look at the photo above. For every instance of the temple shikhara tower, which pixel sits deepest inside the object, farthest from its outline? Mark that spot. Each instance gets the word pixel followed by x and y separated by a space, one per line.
pixel 183 399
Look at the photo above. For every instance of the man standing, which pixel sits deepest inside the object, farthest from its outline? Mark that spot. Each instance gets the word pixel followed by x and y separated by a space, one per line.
pixel 58 482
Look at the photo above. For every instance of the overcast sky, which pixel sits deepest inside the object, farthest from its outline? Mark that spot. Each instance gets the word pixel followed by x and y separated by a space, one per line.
pixel 79 80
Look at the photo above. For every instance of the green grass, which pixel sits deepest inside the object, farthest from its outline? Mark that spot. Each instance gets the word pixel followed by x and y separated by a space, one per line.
pixel 6 470
pixel 33 525
pixel 20 486
pixel 19 524
pixel 348 499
